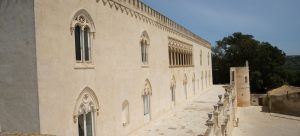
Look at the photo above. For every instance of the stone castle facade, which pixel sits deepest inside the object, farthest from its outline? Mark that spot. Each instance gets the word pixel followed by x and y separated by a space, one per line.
pixel 94 67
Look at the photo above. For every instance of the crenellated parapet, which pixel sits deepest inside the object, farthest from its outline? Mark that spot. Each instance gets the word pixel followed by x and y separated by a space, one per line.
pixel 143 12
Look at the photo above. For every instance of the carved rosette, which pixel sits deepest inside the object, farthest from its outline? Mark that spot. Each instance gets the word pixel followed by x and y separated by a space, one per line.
pixel 82 19
pixel 86 102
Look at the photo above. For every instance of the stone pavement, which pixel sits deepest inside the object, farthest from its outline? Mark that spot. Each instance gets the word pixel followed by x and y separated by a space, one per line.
pixel 254 122
pixel 187 119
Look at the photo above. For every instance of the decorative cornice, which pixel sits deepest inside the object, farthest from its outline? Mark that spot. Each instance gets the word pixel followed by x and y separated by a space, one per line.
pixel 143 12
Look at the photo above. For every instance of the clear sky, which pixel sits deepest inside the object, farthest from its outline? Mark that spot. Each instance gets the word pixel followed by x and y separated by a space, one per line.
pixel 273 21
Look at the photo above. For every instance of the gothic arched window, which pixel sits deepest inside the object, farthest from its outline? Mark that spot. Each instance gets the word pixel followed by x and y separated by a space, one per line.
pixel 125 113
pixel 185 85
pixel 146 94
pixel 86 109
pixel 173 87
pixel 145 47
pixel 83 27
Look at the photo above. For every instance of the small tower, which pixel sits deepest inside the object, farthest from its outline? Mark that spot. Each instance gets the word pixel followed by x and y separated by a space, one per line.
pixel 239 78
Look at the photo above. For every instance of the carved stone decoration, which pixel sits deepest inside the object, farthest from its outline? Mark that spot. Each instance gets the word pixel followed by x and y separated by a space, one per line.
pixel 184 79
pixel 173 83
pixel 193 78
pixel 87 101
pixel 83 19
pixel 147 88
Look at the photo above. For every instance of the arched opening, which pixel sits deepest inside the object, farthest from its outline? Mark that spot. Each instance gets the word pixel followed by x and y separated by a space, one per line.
pixel 87 45
pixel 194 84
pixel 205 79
pixel 202 84
pixel 77 43
pixel 185 85
pixel 82 25
pixel 85 111
pixel 125 113
pixel 146 95
pixel 145 43
pixel 173 87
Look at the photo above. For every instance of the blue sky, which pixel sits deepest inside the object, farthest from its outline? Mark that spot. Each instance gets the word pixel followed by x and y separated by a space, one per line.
pixel 273 21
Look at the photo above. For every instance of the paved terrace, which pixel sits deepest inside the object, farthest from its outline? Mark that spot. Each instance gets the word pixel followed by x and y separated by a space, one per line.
pixel 184 120
pixel 256 122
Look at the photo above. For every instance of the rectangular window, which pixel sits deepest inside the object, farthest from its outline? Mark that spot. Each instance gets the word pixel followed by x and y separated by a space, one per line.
pixel 232 75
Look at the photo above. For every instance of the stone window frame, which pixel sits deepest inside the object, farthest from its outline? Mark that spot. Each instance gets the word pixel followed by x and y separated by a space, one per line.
pixel 144 45
pixel 125 113
pixel 147 93
pixel 193 83
pixel 87 102
pixel 185 82
pixel 172 88
pixel 201 57
pixel 208 59
pixel 83 19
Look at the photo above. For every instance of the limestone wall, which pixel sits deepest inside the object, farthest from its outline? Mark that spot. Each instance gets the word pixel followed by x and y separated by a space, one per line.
pixel 285 104
pixel 239 77
pixel 259 100
pixel 116 73
pixel 18 76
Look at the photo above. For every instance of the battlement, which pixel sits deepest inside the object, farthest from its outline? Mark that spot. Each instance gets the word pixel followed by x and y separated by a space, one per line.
pixel 142 11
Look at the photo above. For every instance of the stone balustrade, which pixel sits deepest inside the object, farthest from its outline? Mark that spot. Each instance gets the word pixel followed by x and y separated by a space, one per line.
pixel 222 119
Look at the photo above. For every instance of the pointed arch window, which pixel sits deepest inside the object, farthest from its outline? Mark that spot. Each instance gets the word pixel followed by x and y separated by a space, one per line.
pixel 194 85
pixel 145 43
pixel 185 85
pixel 83 27
pixel 200 57
pixel 173 87
pixel 86 109
pixel 125 113
pixel 146 95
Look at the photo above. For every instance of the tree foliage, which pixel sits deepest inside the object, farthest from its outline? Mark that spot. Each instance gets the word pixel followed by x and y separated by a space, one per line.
pixel 265 61
pixel 292 69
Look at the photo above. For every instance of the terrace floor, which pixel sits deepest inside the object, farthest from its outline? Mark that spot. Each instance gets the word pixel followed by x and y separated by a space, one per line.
pixel 187 119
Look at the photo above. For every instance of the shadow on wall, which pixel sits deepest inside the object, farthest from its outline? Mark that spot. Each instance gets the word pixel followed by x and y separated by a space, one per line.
pixel 285 104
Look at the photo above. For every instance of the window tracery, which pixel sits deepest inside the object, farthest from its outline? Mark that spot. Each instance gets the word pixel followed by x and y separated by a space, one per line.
pixel 85 111
pixel 145 43
pixel 83 27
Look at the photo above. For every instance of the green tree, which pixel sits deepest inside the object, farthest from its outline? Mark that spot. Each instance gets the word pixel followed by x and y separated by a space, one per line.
pixel 265 61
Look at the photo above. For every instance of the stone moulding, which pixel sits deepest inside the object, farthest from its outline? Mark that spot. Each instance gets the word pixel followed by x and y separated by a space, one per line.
pixel 147 90
pixel 82 19
pixel 87 101
pixel 146 14
pixel 179 44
